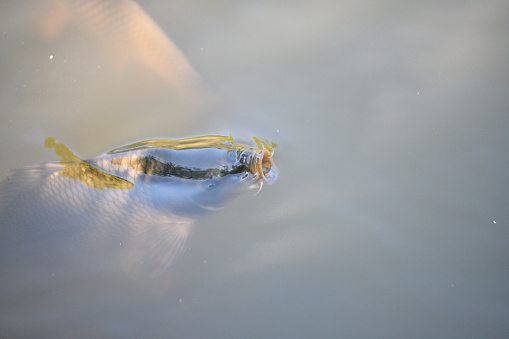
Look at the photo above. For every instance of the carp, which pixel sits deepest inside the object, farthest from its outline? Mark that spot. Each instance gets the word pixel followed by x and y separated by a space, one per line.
pixel 147 195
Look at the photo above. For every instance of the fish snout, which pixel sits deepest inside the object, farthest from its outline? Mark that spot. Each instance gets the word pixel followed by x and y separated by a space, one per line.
pixel 265 168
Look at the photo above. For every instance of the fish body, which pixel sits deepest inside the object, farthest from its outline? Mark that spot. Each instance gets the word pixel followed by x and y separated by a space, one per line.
pixel 184 177
pixel 147 195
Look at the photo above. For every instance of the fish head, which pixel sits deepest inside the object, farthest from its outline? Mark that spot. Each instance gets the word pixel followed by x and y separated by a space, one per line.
pixel 239 173
pixel 198 181
pixel 189 177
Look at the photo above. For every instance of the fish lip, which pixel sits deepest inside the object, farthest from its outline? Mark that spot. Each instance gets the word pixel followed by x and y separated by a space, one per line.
pixel 263 167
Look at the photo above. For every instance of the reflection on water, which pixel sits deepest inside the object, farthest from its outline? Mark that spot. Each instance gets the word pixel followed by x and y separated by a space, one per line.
pixel 390 218
pixel 127 32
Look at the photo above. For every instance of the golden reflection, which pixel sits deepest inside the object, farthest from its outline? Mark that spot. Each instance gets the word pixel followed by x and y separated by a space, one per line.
pixel 78 169
pixel 208 141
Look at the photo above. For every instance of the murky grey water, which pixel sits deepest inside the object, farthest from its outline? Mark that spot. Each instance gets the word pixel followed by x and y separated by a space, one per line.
pixel 389 218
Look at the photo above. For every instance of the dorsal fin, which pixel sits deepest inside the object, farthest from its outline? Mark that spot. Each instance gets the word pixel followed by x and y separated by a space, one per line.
pixel 78 169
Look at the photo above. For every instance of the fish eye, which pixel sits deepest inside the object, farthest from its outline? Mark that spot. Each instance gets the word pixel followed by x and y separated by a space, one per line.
pixel 210 184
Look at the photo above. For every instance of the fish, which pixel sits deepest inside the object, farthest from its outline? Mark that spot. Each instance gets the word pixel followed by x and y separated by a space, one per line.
pixel 127 32
pixel 146 196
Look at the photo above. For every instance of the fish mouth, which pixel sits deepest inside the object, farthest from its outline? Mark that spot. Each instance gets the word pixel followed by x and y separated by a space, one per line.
pixel 263 167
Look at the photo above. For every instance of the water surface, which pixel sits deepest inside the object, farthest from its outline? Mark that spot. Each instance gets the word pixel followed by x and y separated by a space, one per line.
pixel 389 218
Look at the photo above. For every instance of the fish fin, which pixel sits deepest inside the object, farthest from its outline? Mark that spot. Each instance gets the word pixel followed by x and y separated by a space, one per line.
pixel 65 193
pixel 154 247
pixel 23 190
pixel 155 50
pixel 53 19
pixel 80 170
pixel 28 178
pixel 61 150
pixel 129 34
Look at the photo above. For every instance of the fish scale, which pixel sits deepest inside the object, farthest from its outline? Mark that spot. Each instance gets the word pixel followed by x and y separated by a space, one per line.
pixel 135 195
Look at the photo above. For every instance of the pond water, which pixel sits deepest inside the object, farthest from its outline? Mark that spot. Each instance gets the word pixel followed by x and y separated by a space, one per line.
pixel 389 217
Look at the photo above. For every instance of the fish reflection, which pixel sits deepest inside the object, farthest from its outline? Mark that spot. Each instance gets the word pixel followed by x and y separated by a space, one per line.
pixel 127 32
pixel 145 196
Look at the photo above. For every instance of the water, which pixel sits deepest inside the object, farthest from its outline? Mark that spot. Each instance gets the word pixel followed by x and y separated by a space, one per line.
pixel 389 217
